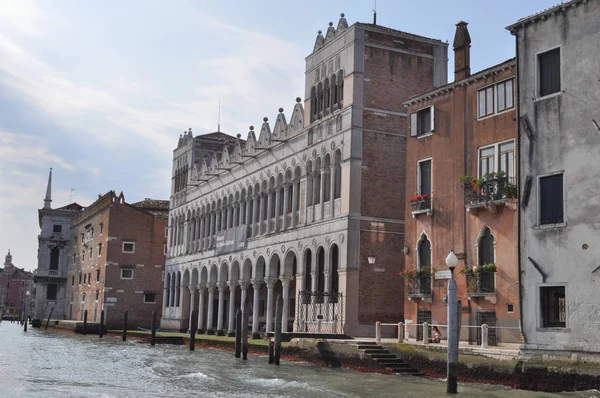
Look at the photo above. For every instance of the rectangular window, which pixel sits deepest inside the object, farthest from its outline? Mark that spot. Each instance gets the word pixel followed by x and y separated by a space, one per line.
pixel 504 95
pixel 496 98
pixel 101 228
pixel 97 294
pixel 57 228
pixel 486 161
pixel 84 278
pixel 91 252
pixel 551 199
pixel 424 177
pixel 51 291
pixel 98 275
pixel 165 250
pixel 553 307
pixel 149 298
pixel 80 279
pixel 73 280
pixel 89 277
pixel 422 122
pixel 498 158
pixel 166 232
pixel 126 274
pixel 128 247
pixel 506 158
pixel 510 308
pixel 549 70
pixel 99 249
pixel 486 101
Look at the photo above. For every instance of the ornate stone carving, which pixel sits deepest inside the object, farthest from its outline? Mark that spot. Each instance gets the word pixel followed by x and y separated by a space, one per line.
pixel 341 238
pixel 332 145
pixel 282 249
pixel 300 245
pixel 314 243
pixel 254 254
pixel 268 251
pixel 293 162
pixel 327 240
pixel 276 169
pixel 314 153
pixel 323 150
pixel 329 127
pixel 338 123
pixel 304 158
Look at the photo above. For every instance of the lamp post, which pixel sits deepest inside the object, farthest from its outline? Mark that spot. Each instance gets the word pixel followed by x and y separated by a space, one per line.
pixel 26 310
pixel 452 360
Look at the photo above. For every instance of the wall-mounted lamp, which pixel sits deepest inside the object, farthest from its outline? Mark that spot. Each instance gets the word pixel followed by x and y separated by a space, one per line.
pixel 371 258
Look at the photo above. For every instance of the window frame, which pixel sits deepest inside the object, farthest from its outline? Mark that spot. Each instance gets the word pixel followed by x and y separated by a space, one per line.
pixel 418 190
pixel 415 124
pixel 496 147
pixel 539 201
pixel 54 228
pixel 123 247
pixel 538 77
pixel 149 302
pixel 494 87
pixel 541 326
pixel 126 269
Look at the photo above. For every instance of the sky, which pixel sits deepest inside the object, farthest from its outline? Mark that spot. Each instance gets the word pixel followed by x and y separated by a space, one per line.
pixel 101 91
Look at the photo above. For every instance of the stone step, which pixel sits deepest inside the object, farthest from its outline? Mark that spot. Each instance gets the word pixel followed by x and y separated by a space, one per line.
pixel 377 356
pixel 365 343
pixel 379 350
pixel 396 365
pixel 369 347
pixel 410 371
pixel 385 361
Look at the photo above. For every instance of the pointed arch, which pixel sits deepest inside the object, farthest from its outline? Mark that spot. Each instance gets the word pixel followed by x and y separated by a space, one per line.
pixel 486 246
pixel 424 251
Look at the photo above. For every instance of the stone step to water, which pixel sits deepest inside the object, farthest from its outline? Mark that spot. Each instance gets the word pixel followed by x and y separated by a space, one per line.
pixel 383 355
pixel 386 359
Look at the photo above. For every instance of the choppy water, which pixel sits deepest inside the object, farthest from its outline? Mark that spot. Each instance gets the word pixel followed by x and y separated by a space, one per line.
pixel 53 364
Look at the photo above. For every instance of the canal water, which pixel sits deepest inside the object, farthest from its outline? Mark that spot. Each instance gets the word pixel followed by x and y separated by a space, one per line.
pixel 42 363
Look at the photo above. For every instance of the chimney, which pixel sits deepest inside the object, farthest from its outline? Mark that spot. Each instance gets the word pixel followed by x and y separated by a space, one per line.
pixel 462 52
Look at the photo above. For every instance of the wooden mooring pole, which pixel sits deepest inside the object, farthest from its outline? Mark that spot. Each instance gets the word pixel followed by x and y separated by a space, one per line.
pixel 125 326
pixel 193 328
pixel 49 316
pixel 153 329
pixel 85 322
pixel 245 312
pixel 238 334
pixel 101 331
pixel 278 317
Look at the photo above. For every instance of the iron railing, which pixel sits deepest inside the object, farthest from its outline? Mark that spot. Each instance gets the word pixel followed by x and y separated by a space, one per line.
pixel 421 205
pixel 320 312
pixel 493 189
pixel 481 283
pixel 420 286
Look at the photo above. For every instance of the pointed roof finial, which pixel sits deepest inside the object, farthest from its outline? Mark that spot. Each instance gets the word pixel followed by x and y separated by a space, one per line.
pixel 48 198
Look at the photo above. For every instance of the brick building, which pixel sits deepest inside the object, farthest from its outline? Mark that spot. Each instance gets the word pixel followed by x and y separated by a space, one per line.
pixel 461 188
pixel 297 208
pixel 15 284
pixel 116 261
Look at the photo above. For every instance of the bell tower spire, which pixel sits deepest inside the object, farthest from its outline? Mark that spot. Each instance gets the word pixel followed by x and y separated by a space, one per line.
pixel 48 198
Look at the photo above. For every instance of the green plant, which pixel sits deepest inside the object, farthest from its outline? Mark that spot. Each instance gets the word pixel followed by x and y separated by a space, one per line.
pixel 411 274
pixel 491 267
pixel 465 270
pixel 511 191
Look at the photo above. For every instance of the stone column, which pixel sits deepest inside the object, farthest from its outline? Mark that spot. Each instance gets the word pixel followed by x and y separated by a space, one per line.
pixel 221 310
pixel 270 285
pixel 253 216
pixel 299 287
pixel 322 193
pixel 209 232
pixel 209 317
pixel 192 304
pixel 244 288
pixel 262 214
pixel 202 234
pixel 231 330
pixel 295 194
pixel 236 214
pixel 185 236
pixel 201 308
pixel 286 204
pixel 256 284
pixel 331 190
pixel 229 216
pixel 278 200
pixel 198 232
pixel 269 209
pixel 285 283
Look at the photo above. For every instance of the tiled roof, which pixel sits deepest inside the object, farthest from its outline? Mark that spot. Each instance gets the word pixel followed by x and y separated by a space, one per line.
pixel 219 136
pixel 547 11
pixel 398 32
pixel 72 206
pixel 154 206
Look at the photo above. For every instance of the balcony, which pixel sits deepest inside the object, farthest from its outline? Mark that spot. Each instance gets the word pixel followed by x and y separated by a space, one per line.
pixel 421 204
pixel 419 286
pixel 489 193
pixel 482 284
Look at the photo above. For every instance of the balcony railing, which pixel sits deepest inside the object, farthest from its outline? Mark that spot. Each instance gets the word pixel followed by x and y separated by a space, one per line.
pixel 419 286
pixel 481 284
pixel 490 191
pixel 421 206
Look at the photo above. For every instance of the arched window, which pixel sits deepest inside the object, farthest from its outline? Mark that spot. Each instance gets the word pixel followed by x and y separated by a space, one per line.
pixel 341 87
pixel 168 290
pixel 313 104
pixel 335 258
pixel 307 271
pixel 320 270
pixel 338 176
pixel 54 256
pixel 334 91
pixel 178 289
pixel 424 252
pixel 327 95
pixel 486 247
pixel 319 99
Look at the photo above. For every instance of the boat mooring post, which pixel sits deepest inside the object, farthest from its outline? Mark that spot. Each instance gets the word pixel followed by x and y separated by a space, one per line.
pixel 153 329
pixel 49 316
pixel 278 318
pixel 125 326
pixel 238 333
pixel 193 328
pixel 101 331
pixel 245 311
pixel 84 322
pixel 271 352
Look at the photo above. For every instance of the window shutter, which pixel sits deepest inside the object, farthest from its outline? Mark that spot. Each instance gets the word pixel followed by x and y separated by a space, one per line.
pixel 432 118
pixel 527 127
pixel 527 191
pixel 413 124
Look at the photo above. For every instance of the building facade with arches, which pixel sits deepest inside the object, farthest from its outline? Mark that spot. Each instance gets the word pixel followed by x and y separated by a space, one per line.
pixel 296 208
pixel 462 188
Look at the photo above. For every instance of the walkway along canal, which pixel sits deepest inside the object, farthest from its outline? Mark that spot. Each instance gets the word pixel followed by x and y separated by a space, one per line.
pixel 40 363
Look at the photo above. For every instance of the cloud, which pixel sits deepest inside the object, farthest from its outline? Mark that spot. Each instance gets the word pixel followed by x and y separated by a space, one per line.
pixel 18 150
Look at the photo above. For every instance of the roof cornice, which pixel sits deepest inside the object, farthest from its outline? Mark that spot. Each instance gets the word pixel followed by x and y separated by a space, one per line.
pixel 543 15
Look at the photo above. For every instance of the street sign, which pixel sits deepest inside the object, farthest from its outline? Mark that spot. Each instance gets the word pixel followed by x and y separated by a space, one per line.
pixel 111 300
pixel 443 274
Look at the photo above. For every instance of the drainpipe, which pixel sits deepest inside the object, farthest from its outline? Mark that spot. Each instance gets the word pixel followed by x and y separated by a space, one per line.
pixel 519 185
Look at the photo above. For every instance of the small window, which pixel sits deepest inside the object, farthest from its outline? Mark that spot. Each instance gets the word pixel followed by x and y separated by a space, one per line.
pixel 101 228
pixel 81 238
pixel 73 280
pixel 486 161
pixel 551 200
pixel 506 157
pixel 51 291
pixel 549 70
pixel 165 250
pixel 99 249
pixel 424 177
pixel 149 298
pixel 57 228
pixel 553 306
pixel 80 279
pixel 510 308
pixel 84 279
pixel 485 98
pixel 126 274
pixel 97 294
pixel 98 275
pixel 128 247
pixel 91 252
pixel 82 256
pixel 89 277
pixel 166 232
pixel 422 122
pixel 504 95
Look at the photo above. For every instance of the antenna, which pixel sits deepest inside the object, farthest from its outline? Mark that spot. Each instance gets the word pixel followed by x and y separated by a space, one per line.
pixel 219 125
pixel 375 14
pixel 71 194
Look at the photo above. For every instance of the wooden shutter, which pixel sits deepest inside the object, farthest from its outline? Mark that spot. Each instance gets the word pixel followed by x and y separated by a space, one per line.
pixel 527 127
pixel 432 118
pixel 527 191
pixel 413 124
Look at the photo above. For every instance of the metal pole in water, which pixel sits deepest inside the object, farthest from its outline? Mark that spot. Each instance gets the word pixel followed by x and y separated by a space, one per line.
pixel 245 311
pixel 125 326
pixel 49 316
pixel 101 324
pixel 85 322
pixel 153 329
pixel 278 318
pixel 271 352
pixel 238 333
pixel 193 330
